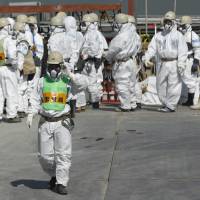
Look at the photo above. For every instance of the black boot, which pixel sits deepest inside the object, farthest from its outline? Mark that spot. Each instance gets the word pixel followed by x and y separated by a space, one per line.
pixel 61 189
pixel 13 120
pixel 52 183
pixel 139 106
pixel 95 105
pixel 189 101
pixel 73 108
pixel 21 114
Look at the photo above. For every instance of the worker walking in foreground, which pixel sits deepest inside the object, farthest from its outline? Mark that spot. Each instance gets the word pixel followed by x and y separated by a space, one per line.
pixel 55 123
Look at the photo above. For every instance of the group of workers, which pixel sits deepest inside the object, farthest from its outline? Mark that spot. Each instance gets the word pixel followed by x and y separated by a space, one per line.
pixel 73 74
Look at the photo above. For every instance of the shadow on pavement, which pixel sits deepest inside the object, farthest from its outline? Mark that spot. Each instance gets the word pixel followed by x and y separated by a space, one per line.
pixel 33 184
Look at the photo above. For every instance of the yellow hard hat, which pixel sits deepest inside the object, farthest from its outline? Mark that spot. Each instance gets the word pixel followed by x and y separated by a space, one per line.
pixel 18 26
pixel 170 15
pixel 61 14
pixel 131 19
pixel 57 21
pixel 32 20
pixel 186 20
pixel 121 18
pixel 3 22
pixel 94 17
pixel 55 57
pixel 22 18
pixel 87 18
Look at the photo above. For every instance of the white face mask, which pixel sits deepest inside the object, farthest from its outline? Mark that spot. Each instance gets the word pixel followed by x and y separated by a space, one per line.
pixel 184 28
pixel 27 27
pixel 167 27
pixel 84 26
pixel 53 74
pixel 117 27
pixel 168 24
pixel 7 29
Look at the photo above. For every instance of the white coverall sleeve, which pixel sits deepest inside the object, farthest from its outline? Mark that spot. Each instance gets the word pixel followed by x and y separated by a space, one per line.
pixel 81 81
pixel 20 61
pixel 35 99
pixel 11 53
pixel 114 48
pixel 182 51
pixel 152 49
pixel 196 45
pixel 39 46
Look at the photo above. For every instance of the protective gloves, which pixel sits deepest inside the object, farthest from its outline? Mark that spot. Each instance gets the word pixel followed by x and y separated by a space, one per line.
pixel 67 72
pixel 29 120
pixel 195 66
pixel 181 69
pixel 148 63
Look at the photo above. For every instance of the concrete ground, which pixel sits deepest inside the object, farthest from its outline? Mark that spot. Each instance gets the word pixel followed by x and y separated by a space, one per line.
pixel 142 155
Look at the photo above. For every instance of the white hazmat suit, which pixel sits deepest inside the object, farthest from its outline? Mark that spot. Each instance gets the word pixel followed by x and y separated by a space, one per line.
pixel 8 78
pixel 171 49
pixel 92 50
pixel 121 50
pixel 54 137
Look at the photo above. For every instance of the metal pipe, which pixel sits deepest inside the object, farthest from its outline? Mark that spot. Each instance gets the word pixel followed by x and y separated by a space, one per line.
pixel 146 16
pixel 175 6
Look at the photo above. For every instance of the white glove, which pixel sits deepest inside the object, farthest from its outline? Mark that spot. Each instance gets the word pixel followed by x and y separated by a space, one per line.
pixel 148 63
pixel 84 56
pixel 181 70
pixel 69 73
pixel 29 120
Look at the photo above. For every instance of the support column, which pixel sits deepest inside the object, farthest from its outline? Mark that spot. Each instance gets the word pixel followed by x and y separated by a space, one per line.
pixel 130 7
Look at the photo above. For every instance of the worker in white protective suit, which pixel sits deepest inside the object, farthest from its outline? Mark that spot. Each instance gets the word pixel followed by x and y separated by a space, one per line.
pixel 49 100
pixel 192 65
pixel 92 52
pixel 72 43
pixel 57 31
pixel 137 65
pixel 121 50
pixel 170 47
pixel 22 46
pixel 8 78
pixel 36 44
pixel 24 19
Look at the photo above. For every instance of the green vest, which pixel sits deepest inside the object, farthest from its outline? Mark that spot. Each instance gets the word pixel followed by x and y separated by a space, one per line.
pixel 2 55
pixel 55 94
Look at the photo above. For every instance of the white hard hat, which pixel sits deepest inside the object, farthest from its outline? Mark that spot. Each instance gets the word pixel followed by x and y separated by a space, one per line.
pixel 121 18
pixel 61 14
pixel 57 21
pixel 22 18
pixel 18 26
pixel 131 19
pixel 55 57
pixel 186 20
pixel 87 18
pixel 3 22
pixel 94 17
pixel 32 20
pixel 170 15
